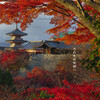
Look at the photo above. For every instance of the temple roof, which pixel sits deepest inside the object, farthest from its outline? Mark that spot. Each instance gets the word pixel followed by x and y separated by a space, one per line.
pixel 33 44
pixel 60 45
pixel 50 44
pixel 16 41
pixel 16 32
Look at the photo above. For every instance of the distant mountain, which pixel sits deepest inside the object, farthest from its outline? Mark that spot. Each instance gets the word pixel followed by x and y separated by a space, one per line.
pixel 4 44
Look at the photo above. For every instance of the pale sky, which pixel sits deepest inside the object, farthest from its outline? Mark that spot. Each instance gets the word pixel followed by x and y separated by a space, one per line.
pixel 36 31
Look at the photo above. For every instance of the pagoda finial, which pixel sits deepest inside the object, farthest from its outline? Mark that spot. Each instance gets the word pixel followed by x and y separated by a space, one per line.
pixel 16 26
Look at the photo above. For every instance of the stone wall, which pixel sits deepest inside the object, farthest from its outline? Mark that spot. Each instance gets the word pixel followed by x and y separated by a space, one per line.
pixel 49 61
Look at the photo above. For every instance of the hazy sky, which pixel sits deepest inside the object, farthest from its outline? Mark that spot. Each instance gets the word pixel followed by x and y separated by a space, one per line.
pixel 36 31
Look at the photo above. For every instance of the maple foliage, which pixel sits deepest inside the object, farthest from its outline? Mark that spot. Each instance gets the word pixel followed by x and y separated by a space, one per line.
pixel 25 87
pixel 46 78
pixel 83 91
pixel 92 59
pixel 25 11
pixel 13 60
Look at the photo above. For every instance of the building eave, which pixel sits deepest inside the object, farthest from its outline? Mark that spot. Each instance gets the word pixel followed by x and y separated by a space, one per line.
pixel 16 32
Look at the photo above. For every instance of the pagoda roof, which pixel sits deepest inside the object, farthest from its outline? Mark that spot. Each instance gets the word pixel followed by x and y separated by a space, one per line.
pixel 16 32
pixel 16 41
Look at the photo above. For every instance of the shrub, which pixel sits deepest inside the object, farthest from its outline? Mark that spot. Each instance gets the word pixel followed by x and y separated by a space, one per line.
pixel 41 76
pixel 6 83
pixel 54 88
pixel 14 60
pixel 47 78
pixel 70 91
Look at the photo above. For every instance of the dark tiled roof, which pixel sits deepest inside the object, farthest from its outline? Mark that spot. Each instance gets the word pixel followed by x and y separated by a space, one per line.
pixel 33 44
pixel 11 48
pixel 51 44
pixel 17 32
pixel 60 45
pixel 16 41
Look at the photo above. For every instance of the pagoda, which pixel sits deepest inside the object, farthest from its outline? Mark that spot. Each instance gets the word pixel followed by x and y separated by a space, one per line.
pixel 16 40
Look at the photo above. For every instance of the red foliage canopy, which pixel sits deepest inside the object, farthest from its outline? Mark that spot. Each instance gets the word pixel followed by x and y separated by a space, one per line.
pixel 13 60
pixel 24 11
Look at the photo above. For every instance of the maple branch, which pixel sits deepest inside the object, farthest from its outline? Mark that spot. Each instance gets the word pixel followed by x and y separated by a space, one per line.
pixel 73 7
pixel 70 16
pixel 67 14
pixel 83 11
pixel 62 13
pixel 92 3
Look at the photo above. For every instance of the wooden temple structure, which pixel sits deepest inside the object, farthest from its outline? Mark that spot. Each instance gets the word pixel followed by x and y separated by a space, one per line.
pixel 16 40
pixel 49 47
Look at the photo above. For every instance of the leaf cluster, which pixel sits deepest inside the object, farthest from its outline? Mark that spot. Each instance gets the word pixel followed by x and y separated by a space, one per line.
pixel 93 60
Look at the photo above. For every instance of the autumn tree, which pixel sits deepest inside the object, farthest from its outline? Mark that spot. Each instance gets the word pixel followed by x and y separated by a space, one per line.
pixel 14 60
pixel 85 14
pixel 66 14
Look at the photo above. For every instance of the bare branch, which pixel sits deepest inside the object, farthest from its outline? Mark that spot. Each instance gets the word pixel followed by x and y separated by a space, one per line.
pixel 66 14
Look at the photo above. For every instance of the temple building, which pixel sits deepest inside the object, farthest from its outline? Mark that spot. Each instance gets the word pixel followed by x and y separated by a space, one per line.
pixel 50 47
pixel 16 40
pixel 39 47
